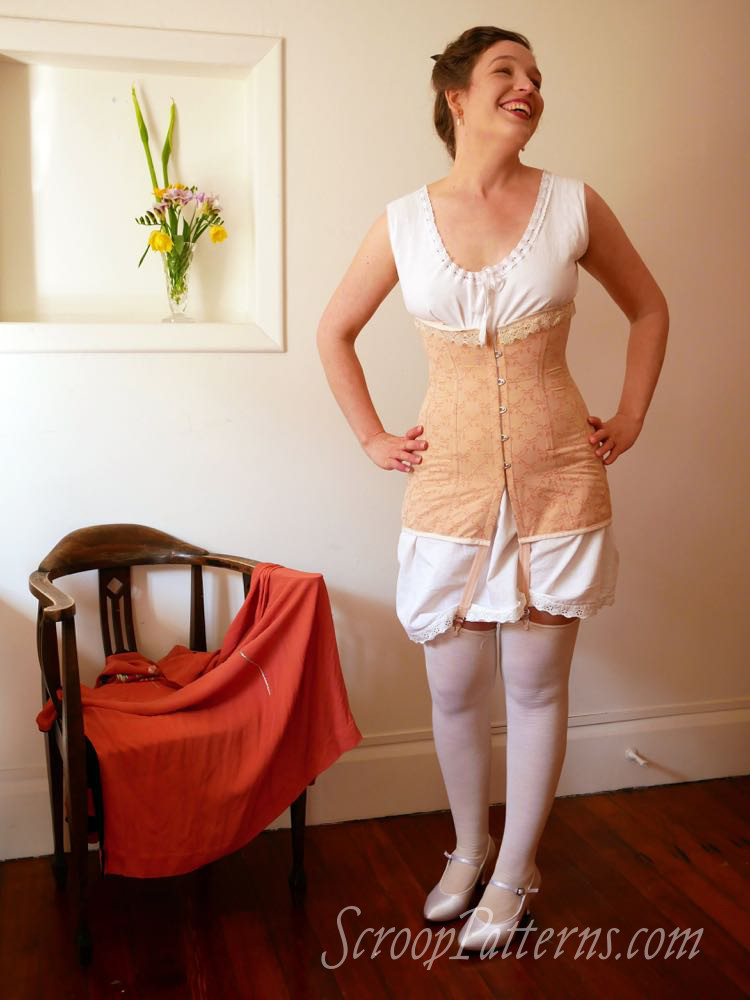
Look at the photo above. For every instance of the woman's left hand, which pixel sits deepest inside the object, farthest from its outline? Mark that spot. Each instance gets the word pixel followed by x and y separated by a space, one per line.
pixel 615 435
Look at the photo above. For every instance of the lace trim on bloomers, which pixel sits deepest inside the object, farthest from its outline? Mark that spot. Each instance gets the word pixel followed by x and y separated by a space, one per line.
pixel 444 621
pixel 517 330
pixel 555 607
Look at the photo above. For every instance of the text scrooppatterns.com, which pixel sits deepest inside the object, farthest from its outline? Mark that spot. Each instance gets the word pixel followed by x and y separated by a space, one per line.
pixel 428 944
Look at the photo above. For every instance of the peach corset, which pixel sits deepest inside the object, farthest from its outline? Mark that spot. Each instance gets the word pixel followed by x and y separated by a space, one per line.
pixel 506 412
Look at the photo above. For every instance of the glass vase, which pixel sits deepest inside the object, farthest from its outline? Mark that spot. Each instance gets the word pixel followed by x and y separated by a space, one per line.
pixel 176 271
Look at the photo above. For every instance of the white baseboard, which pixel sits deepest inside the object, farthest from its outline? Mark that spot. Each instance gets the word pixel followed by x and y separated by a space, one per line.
pixel 398 773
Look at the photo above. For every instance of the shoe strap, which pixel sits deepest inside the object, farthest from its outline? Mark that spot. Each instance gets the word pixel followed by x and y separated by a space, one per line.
pixel 466 861
pixel 518 890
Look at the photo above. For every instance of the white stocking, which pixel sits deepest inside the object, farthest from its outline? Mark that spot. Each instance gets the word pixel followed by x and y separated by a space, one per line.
pixel 461 674
pixel 535 667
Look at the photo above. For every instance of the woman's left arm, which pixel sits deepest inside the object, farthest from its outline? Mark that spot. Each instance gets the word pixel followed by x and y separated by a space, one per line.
pixel 613 260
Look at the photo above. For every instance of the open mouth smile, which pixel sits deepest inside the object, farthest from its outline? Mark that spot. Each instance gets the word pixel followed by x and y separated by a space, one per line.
pixel 518 109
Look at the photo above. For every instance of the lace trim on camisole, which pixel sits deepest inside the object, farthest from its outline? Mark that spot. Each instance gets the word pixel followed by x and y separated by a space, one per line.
pixel 511 259
pixel 517 330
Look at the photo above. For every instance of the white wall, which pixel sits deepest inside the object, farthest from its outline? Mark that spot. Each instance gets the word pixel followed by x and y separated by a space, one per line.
pixel 249 454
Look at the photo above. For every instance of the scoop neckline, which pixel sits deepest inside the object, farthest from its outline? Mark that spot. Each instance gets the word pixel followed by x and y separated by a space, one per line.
pixel 514 255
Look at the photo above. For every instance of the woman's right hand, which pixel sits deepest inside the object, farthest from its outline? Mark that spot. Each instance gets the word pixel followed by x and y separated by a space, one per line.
pixel 391 452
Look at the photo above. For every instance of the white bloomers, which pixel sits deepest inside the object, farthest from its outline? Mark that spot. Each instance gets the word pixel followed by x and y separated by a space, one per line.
pixel 572 575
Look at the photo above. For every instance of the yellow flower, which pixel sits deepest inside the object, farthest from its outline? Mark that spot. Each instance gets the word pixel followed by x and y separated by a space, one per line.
pixel 159 240
pixel 218 233
pixel 159 192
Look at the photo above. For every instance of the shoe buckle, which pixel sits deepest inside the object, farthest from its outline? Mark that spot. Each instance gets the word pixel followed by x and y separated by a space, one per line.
pixel 516 890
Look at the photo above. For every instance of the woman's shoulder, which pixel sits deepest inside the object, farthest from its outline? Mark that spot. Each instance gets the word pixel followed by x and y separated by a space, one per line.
pixel 566 182
pixel 404 212
pixel 405 200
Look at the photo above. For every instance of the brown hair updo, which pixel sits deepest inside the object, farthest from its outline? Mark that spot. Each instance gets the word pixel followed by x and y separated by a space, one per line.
pixel 453 69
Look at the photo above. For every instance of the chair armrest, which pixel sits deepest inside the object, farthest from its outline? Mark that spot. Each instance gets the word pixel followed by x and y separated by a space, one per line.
pixel 229 562
pixel 56 603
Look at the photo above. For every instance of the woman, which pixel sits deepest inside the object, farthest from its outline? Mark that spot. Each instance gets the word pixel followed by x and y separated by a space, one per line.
pixel 506 517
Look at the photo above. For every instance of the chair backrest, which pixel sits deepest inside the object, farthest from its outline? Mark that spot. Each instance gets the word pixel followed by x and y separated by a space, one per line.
pixel 112 549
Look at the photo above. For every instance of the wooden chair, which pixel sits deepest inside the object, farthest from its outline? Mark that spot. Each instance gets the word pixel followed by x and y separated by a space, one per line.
pixel 72 765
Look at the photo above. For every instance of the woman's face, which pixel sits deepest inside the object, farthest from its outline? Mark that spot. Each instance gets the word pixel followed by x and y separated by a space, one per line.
pixel 504 73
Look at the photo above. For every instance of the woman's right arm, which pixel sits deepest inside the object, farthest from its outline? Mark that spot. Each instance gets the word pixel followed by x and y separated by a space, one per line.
pixel 368 280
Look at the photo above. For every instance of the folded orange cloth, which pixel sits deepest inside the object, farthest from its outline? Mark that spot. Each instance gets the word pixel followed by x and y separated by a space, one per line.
pixel 201 757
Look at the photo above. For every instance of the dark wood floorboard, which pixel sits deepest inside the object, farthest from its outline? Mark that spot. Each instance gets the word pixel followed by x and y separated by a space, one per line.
pixel 663 858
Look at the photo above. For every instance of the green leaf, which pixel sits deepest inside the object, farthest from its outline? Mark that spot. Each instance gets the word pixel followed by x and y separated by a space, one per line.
pixel 167 150
pixel 172 222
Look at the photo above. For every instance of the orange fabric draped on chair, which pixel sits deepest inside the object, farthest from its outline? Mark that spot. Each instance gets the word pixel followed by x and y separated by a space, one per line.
pixel 203 750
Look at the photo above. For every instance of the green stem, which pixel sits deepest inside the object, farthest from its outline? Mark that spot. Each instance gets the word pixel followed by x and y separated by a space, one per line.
pixel 144 139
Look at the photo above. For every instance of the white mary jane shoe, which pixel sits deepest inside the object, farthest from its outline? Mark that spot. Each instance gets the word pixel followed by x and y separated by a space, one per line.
pixel 441 905
pixel 476 933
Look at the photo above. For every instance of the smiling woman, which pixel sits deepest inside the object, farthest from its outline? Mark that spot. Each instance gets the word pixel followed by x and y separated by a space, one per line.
pixel 506 518
pixel 458 69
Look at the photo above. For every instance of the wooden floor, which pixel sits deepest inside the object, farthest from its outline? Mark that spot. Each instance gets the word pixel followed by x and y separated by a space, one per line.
pixel 663 858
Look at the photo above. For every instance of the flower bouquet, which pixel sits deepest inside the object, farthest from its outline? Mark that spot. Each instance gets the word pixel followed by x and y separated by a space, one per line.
pixel 174 236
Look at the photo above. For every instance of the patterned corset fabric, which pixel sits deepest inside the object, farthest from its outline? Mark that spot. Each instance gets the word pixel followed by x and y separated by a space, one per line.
pixel 505 415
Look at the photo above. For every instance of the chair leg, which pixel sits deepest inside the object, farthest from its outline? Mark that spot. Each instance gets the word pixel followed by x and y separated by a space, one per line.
pixel 55 780
pixel 94 780
pixel 79 852
pixel 297 877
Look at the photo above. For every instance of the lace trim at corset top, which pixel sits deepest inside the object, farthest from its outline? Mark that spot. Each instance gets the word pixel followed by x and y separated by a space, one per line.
pixel 517 330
